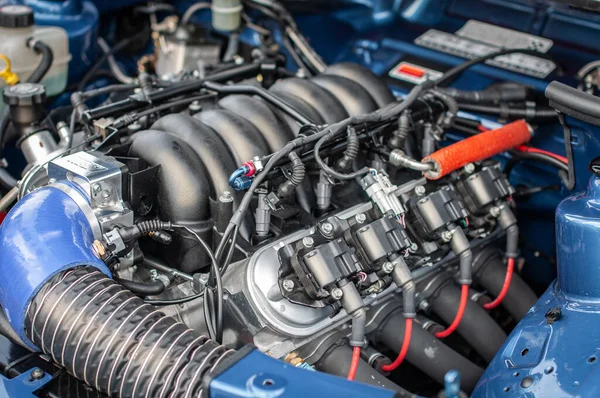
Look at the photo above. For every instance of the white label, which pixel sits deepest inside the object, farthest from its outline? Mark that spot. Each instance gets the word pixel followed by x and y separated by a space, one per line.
pixel 468 48
pixel 503 37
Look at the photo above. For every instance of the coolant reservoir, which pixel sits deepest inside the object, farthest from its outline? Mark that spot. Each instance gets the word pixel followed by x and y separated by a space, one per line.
pixel 16 27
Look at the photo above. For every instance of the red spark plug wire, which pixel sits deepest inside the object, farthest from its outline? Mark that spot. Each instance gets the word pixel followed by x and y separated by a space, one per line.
pixel 464 297
pixel 510 266
pixel 403 350
pixel 354 363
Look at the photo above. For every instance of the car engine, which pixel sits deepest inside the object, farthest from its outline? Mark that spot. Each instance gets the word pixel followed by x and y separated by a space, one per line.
pixel 259 198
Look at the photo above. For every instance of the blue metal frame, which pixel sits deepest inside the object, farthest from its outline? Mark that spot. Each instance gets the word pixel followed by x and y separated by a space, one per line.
pixel 258 375
pixel 23 386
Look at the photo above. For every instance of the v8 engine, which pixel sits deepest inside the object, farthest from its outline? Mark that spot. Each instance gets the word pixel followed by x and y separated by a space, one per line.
pixel 225 211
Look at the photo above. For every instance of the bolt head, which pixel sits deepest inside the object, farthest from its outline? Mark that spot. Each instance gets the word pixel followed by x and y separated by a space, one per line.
pixel 420 190
pixel 387 267
pixel 424 306
pixel 288 285
pixel 469 168
pixel 327 228
pixel 37 374
pixel 360 218
pixel 337 293
pixel 226 197
pixel 96 188
pixel 308 242
pixel 413 247
pixel 495 211
pixel 447 236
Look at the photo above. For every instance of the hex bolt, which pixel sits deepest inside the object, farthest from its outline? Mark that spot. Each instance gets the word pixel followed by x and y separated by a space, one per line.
pixel 424 306
pixel 387 267
pixel 96 188
pixel 226 197
pixel 195 106
pixel 413 248
pixel 337 293
pixel 495 211
pixel 360 218
pixel 288 285
pixel 327 228
pixel 37 374
pixel 447 236
pixel 469 168
pixel 420 190
pixel 308 242
pixel 153 274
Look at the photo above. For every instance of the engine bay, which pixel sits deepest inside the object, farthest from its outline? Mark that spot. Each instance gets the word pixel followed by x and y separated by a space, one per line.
pixel 255 198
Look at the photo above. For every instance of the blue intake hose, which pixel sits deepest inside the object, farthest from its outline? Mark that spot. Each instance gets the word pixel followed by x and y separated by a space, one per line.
pixel 45 233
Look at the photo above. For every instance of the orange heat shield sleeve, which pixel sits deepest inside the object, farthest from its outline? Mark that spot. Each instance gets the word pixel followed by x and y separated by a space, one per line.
pixel 476 148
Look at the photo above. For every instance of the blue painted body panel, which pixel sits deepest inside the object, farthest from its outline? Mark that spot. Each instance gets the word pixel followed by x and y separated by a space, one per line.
pixel 258 375
pixel 45 232
pixel 561 358
pixel 22 386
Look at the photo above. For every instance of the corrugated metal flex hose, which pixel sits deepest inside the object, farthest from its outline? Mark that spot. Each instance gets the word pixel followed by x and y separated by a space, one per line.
pixel 121 346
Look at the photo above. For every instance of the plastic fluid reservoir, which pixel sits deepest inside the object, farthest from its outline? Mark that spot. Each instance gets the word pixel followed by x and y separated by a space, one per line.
pixel 16 28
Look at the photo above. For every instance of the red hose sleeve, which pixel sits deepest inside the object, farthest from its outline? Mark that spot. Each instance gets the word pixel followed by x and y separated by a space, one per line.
pixel 354 363
pixel 403 350
pixel 510 266
pixel 477 147
pixel 464 297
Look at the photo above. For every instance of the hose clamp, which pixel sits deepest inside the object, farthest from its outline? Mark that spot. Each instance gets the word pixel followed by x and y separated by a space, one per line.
pixel 83 204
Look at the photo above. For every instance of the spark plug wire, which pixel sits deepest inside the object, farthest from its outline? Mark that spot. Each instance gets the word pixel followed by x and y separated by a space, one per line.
pixel 464 297
pixel 510 266
pixel 404 350
pixel 354 363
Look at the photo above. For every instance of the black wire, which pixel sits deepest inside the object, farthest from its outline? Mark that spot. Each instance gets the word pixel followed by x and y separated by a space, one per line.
pixel 209 320
pixel 181 300
pixel 115 49
pixel 570 173
pixel 518 157
pixel 330 171
pixel 231 251
pixel 455 72
pixel 216 276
